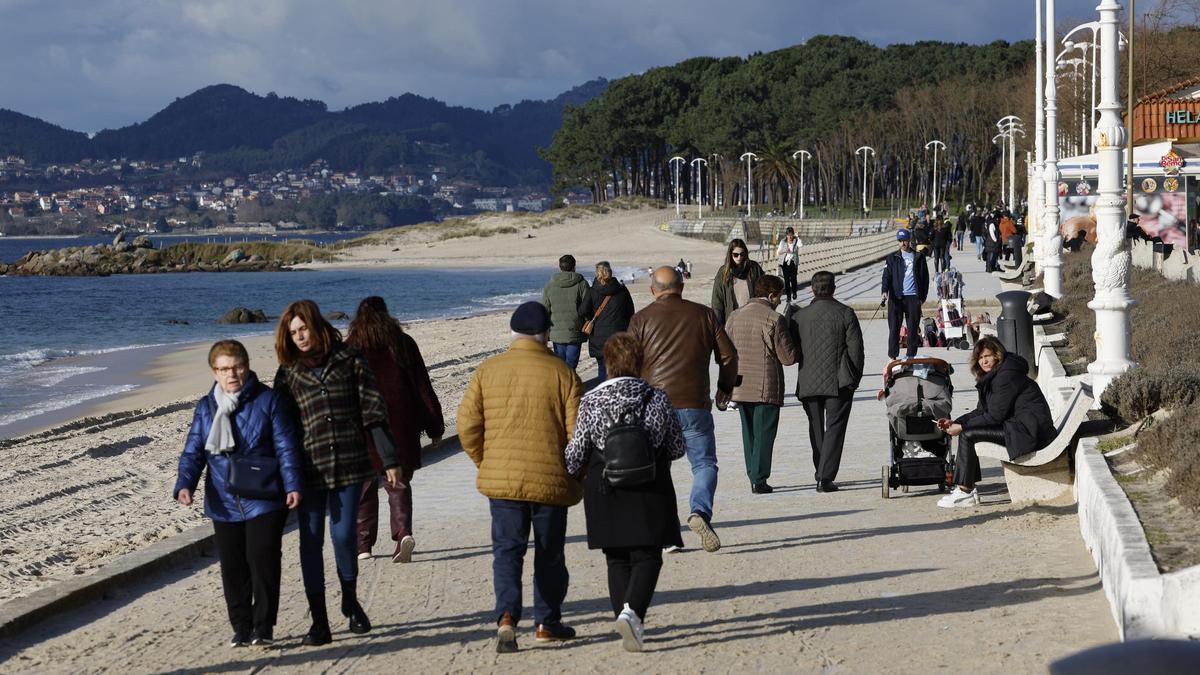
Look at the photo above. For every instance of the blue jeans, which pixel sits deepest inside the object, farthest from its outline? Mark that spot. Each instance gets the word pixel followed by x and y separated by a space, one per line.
pixel 601 372
pixel 342 506
pixel 961 234
pixel 568 352
pixel 511 521
pixel 979 247
pixel 701 444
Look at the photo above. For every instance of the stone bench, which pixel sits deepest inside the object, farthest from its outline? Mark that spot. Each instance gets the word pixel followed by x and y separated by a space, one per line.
pixel 1015 273
pixel 1044 475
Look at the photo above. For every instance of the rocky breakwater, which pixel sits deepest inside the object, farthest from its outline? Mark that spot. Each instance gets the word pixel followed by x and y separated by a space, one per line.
pixel 140 257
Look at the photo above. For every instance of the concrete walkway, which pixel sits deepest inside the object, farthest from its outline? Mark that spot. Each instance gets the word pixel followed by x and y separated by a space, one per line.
pixel 805 582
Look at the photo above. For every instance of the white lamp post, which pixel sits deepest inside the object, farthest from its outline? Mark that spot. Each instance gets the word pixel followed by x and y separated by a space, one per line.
pixel 1051 236
pixel 681 161
pixel 1111 258
pixel 1037 188
pixel 1087 48
pixel 716 196
pixel 865 150
pixel 749 185
pixel 1011 126
pixel 802 154
pixel 1074 64
pixel 999 139
pixel 935 145
pixel 696 164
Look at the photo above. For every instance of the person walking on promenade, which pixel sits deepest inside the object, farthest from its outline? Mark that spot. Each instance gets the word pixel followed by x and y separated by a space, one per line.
pixel 905 287
pixel 978 225
pixel 412 408
pixel 1017 240
pixel 764 346
pixel 241 420
pixel 993 244
pixel 631 524
pixel 562 296
pixel 734 283
pixel 831 368
pixel 788 255
pixel 960 229
pixel 1011 412
pixel 333 393
pixel 608 307
pixel 941 246
pixel 679 337
pixel 514 422
pixel 1008 229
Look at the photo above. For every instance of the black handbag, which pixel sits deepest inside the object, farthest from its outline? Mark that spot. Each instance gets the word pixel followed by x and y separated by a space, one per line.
pixel 254 477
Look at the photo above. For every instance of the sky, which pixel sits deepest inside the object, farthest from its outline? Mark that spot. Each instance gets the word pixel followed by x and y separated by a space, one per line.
pixel 109 63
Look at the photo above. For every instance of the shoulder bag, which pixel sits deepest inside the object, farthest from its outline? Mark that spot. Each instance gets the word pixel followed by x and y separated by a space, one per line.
pixel 590 324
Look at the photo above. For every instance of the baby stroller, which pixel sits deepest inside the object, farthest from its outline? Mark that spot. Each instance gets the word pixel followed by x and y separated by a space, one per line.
pixel 951 320
pixel 917 392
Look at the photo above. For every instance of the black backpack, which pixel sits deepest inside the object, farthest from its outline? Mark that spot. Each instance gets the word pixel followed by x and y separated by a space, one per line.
pixel 630 459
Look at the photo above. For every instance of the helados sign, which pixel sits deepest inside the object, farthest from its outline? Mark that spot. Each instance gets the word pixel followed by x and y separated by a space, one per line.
pixel 1182 117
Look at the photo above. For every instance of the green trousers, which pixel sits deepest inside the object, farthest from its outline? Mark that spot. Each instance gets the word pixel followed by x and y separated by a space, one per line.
pixel 760 422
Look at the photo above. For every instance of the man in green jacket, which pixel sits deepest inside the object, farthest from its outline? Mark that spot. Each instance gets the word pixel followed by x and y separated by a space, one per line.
pixel 831 367
pixel 563 295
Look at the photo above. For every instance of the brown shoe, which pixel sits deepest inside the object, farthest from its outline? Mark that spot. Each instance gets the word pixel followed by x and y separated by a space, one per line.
pixel 506 635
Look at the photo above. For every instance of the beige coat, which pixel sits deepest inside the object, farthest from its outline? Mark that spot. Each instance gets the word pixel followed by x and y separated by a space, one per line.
pixel 764 347
pixel 514 422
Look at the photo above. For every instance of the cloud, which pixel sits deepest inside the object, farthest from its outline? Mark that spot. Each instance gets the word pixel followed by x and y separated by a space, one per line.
pixel 108 63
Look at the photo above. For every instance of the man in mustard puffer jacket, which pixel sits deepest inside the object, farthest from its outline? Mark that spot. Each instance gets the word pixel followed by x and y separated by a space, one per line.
pixel 514 422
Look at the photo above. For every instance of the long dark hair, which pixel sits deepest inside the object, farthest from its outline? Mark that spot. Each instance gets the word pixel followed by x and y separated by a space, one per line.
pixel 374 329
pixel 734 243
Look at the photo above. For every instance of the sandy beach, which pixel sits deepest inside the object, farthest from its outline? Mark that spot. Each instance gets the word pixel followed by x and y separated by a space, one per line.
pixel 98 486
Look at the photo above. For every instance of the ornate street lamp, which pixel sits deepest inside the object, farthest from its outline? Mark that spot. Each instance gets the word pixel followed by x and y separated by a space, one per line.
pixel 865 150
pixel 749 185
pixel 696 164
pixel 675 166
pixel 802 154
pixel 935 145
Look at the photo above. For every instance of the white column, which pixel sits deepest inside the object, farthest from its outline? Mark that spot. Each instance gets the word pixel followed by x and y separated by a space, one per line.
pixel 1037 188
pixel 1111 258
pixel 1051 236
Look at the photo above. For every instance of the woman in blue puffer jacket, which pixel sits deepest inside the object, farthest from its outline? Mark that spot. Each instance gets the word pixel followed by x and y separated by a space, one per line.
pixel 242 416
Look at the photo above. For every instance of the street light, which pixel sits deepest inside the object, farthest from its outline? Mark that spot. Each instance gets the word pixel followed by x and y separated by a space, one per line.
pixel 749 185
pixel 936 145
pixel 696 164
pixel 1011 126
pixel 1051 235
pixel 1075 64
pixel 681 161
pixel 802 154
pixel 1111 259
pixel 717 197
pixel 865 150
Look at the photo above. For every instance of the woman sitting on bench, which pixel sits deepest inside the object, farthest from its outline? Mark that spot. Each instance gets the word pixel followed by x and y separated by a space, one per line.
pixel 1011 412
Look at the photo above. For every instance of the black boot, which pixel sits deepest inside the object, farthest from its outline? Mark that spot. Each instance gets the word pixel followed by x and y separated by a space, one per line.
pixel 359 623
pixel 319 633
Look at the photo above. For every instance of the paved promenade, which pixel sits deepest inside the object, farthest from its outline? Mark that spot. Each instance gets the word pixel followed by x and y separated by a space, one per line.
pixel 844 582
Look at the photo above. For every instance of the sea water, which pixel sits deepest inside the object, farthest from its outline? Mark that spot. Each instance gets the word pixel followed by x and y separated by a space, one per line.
pixel 44 321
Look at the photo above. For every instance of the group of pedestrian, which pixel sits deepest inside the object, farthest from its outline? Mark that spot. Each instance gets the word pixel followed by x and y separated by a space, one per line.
pixel 999 233
pixel 340 414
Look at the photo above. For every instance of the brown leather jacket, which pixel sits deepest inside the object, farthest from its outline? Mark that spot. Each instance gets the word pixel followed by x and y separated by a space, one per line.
pixel 679 338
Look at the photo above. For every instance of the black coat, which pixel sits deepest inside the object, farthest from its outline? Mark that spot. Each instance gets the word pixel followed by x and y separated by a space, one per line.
pixel 1010 399
pixel 614 318
pixel 941 236
pixel 893 276
pixel 635 516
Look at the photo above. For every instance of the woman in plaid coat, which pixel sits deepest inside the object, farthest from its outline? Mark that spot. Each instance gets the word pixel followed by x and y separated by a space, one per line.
pixel 337 403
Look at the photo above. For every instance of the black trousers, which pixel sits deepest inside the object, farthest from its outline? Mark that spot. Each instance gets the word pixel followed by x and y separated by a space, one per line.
pixel 632 577
pixel 828 417
pixel 907 311
pixel 992 259
pixel 966 462
pixel 790 287
pixel 1018 248
pixel 250 554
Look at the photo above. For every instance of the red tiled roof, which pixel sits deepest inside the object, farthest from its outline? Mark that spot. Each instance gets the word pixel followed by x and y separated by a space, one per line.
pixel 1166 93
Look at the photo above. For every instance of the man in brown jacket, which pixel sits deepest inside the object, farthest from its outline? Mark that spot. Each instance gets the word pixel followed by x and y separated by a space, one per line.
pixel 764 346
pixel 514 422
pixel 679 338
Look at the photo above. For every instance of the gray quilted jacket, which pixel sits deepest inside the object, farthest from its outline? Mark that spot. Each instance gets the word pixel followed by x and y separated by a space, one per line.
pixel 831 348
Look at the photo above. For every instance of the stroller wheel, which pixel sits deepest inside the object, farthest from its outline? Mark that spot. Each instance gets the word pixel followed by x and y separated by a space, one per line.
pixel 887 478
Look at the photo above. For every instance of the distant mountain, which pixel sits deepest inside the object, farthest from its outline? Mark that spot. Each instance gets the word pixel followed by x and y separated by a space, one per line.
pixel 38 141
pixel 242 131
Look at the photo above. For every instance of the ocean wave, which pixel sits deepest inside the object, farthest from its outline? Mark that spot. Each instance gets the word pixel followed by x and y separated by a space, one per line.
pixel 505 300
pixel 33 358
pixel 63 400
pixel 50 376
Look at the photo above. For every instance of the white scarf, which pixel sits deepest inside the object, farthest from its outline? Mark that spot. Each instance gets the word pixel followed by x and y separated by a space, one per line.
pixel 220 436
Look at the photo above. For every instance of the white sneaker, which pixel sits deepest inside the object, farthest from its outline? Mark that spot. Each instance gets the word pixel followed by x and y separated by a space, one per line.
pixel 673 549
pixel 365 555
pixel 958 498
pixel 630 628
